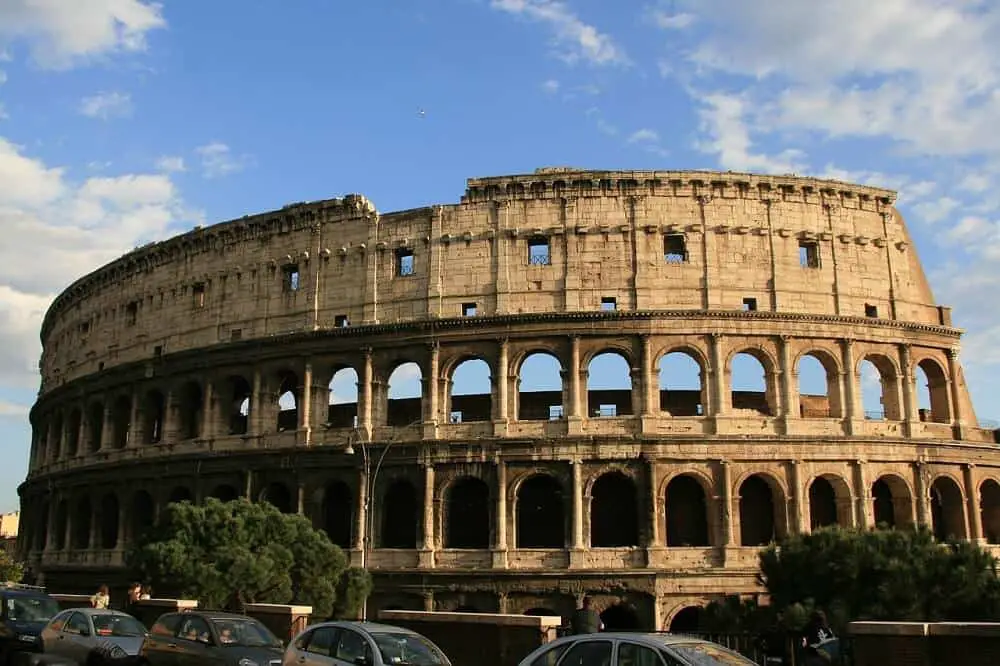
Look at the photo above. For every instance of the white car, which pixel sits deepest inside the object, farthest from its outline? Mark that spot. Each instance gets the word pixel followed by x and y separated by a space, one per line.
pixel 633 649
pixel 362 644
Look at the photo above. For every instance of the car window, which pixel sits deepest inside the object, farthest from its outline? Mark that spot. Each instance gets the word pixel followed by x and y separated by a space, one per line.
pixel 59 621
pixel 194 628
pixel 405 648
pixel 709 654
pixel 322 641
pixel 633 654
pixel 550 656
pixel 77 624
pixel 25 608
pixel 166 626
pixel 243 632
pixel 588 653
pixel 351 646
pixel 112 624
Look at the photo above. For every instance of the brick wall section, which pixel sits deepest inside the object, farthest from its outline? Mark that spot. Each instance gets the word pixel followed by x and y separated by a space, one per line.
pixel 925 644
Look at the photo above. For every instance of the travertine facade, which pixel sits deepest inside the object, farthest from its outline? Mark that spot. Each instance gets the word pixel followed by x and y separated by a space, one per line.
pixel 162 374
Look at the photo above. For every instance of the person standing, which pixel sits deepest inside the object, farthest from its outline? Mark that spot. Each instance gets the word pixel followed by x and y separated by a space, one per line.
pixel 585 619
pixel 102 599
pixel 134 593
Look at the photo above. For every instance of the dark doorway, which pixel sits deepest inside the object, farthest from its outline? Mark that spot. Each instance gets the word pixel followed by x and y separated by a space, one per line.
pixel 541 521
pixel 687 621
pixel 614 514
pixel 620 617
pixel 687 513
pixel 400 516
pixel 338 513
pixel 822 504
pixel 467 514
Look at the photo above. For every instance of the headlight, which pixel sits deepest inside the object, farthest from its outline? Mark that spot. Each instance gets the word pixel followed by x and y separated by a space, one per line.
pixel 27 638
pixel 247 662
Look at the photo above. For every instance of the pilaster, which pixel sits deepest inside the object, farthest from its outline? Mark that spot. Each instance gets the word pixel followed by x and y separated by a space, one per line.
pixel 426 554
pixel 500 547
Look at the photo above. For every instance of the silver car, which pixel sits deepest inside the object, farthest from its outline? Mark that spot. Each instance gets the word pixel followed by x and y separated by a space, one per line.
pixel 361 644
pixel 93 636
pixel 633 649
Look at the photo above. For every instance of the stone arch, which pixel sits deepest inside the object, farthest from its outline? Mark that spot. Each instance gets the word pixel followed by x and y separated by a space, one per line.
pixel 879 376
pixel 109 517
pixel 121 421
pixel 686 512
pixel 681 382
pixel 180 494
pixel 539 387
pixel 687 620
pixel 61 525
pixel 95 426
pixel 83 516
pixel 829 502
pixel 947 509
pixel 190 405
pixel 933 399
pixel 470 392
pixel 154 409
pixel 751 387
pixel 142 514
pixel 225 492
pixel 72 447
pixel 621 617
pixel 338 513
pixel 400 515
pixel 237 401
pixel 818 373
pixel 614 511
pixel 467 514
pixel 762 518
pixel 989 510
pixel 540 510
pixel 609 383
pixel 342 405
pixel 892 501
pixel 279 496
pixel 404 397
pixel 289 394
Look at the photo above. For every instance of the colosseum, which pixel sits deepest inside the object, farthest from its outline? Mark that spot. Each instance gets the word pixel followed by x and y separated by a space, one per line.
pixel 202 366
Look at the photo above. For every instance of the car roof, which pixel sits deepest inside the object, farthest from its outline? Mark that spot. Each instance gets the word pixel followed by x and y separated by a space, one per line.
pixel 98 611
pixel 369 627
pixel 654 638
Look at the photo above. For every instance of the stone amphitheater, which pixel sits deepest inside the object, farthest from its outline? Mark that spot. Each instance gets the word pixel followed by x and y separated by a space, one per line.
pixel 201 366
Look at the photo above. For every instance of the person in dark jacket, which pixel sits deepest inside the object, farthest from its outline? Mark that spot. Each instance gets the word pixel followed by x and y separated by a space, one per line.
pixel 585 619
pixel 820 643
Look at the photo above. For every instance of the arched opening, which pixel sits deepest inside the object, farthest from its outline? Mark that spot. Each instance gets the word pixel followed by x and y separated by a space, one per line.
pixel 989 493
pixel 342 409
pixel 749 385
pixel 62 520
pixel 758 524
pixel 83 514
pixel 614 512
pixel 681 387
pixel 73 433
pixel 58 428
pixel 142 514
pixel 467 514
pixel 153 410
pixel 400 515
pixel 470 395
pixel 540 388
pixel 819 386
pixel 238 405
pixel 822 504
pixel 932 392
pixel 225 493
pixel 95 427
pixel 180 494
pixel 893 506
pixel 121 421
pixel 190 405
pixel 541 518
pixel 620 617
pixel 687 620
pixel 947 510
pixel 109 521
pixel 277 495
pixel 687 513
pixel 288 402
pixel 879 389
pixel 338 513
pixel 609 386
pixel 405 401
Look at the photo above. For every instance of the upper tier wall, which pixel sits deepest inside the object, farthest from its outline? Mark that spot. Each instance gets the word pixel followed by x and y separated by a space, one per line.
pixel 549 242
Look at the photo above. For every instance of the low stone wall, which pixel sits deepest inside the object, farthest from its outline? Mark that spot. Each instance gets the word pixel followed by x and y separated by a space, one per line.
pixel 284 620
pixel 479 639
pixel 925 643
pixel 72 600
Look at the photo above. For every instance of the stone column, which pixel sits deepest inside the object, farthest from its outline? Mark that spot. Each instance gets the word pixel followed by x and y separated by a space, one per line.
pixel 957 408
pixel 923 497
pixel 207 411
pixel 973 517
pixel 578 542
pixel 431 386
pixel 655 535
pixel 720 401
pixel 800 501
pixel 122 523
pixel 361 535
pixel 305 400
pixel 726 501
pixel 787 374
pixel 909 415
pixel 850 393
pixel 365 395
pixel 106 426
pixel 574 378
pixel 427 551
pixel 650 383
pixel 864 503
pixel 256 423
pixel 503 381
pixel 500 547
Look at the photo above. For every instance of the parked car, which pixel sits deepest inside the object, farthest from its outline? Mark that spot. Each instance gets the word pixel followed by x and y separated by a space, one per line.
pixel 633 649
pixel 362 643
pixel 192 638
pixel 94 636
pixel 25 611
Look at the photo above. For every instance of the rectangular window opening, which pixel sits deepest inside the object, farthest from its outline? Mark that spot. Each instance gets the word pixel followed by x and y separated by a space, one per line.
pixel 469 309
pixel 341 321
pixel 290 277
pixel 609 304
pixel 674 249
pixel 555 412
pixel 198 295
pixel 749 304
pixel 604 411
pixel 455 417
pixel 157 351
pixel 538 251
pixel 404 262
pixel 871 310
pixel 808 254
pixel 131 313
pixel 85 327
pixel 236 334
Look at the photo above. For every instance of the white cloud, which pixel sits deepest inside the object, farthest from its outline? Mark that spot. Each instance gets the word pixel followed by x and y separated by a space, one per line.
pixel 170 163
pixel 670 21
pixel 937 209
pixel 12 410
pixel 578 40
pixel 217 160
pixel 106 105
pixel 975 182
pixel 644 135
pixel 62 34
pixel 551 86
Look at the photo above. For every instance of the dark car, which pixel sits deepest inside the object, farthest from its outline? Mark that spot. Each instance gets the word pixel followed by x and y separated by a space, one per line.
pixel 192 638
pixel 633 649
pixel 367 643
pixel 94 636
pixel 26 610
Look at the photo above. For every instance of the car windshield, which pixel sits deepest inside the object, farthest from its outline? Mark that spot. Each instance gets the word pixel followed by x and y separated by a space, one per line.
pixel 407 649
pixel 709 654
pixel 244 632
pixel 24 608
pixel 110 624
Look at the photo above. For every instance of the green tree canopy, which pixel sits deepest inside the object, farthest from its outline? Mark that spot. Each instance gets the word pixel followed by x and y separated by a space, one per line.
pixel 11 571
pixel 226 554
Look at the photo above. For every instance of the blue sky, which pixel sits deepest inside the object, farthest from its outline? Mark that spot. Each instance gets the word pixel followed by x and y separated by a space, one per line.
pixel 122 121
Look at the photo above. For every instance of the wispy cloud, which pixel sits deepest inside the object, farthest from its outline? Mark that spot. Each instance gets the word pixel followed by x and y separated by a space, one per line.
pixel 550 87
pixel 644 135
pixel 218 160
pixel 106 105
pixel 170 163
pixel 574 39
